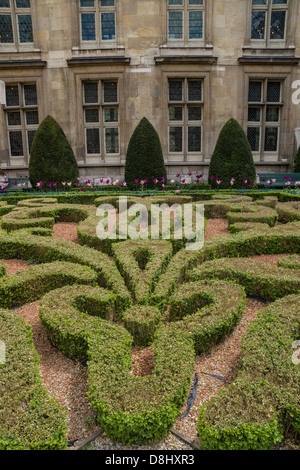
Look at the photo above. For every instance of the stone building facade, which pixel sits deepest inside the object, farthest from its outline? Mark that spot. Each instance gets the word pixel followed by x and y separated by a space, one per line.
pixel 99 66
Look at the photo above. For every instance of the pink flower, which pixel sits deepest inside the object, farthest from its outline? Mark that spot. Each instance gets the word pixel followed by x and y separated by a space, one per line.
pixel 288 183
pixel 69 184
pixel 123 183
pixel 155 180
pixel 273 181
pixel 172 181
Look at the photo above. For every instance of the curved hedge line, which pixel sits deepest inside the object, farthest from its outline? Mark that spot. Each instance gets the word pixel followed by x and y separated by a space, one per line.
pixel 23 245
pixel 252 412
pixel 30 284
pixel 280 239
pixel 138 409
pixel 270 284
pixel 29 418
pixel 141 263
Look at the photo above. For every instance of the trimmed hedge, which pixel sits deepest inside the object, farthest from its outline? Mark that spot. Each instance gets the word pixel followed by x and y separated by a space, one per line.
pixel 253 213
pixel 23 245
pixel 232 157
pixel 5 208
pixel 144 408
pixel 33 214
pixel 142 322
pixel 281 239
pixel 51 156
pixel 144 157
pixel 129 409
pixel 271 284
pixel 288 211
pixel 30 284
pixel 141 263
pixel 252 413
pixel 29 418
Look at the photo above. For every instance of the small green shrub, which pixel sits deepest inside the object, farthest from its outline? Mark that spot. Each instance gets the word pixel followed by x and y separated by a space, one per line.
pixel 144 158
pixel 51 157
pixel 232 157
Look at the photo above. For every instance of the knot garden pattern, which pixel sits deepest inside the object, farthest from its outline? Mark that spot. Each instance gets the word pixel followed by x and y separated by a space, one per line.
pixel 104 296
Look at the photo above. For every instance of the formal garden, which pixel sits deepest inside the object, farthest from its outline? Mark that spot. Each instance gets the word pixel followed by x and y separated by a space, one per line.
pixel 142 343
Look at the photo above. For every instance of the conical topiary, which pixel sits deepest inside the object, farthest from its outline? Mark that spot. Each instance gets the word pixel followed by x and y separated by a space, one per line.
pixel 51 157
pixel 296 168
pixel 232 158
pixel 144 159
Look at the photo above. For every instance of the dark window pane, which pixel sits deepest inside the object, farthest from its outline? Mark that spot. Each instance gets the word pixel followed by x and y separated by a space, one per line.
pixel 111 115
pixel 30 95
pixel 111 140
pixel 91 115
pixel 175 139
pixel 23 3
pixel 272 114
pixel 253 134
pixel 25 28
pixel 12 95
pixel 30 138
pixel 6 30
pixel 254 114
pixel 273 92
pixel 194 113
pixel 258 25
pixel 108 26
pixel 194 139
pixel 110 92
pixel 277 24
pixel 4 4
pixel 32 118
pixel 88 27
pixel 175 26
pixel 92 141
pixel 14 119
pixel 175 113
pixel 175 90
pixel 195 24
pixel 194 90
pixel 91 92
pixel 255 89
pixel 107 3
pixel 87 3
pixel 271 139
pixel 16 143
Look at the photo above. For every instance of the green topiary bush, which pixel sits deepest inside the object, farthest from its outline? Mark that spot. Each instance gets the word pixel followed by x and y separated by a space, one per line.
pixel 232 158
pixel 144 159
pixel 296 168
pixel 51 158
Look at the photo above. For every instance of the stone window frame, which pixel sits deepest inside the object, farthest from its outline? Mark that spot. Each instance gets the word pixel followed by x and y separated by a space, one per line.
pixel 284 79
pixel 207 27
pixel 14 12
pixel 97 10
pixel 185 156
pixel 24 127
pixel 101 125
pixel 267 43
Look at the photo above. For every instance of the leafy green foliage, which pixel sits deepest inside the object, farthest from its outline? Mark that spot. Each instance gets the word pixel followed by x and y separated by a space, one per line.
pixel 296 168
pixel 51 158
pixel 232 157
pixel 144 159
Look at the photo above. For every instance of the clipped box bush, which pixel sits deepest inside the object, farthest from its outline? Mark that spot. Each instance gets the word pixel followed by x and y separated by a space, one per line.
pixel 30 419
